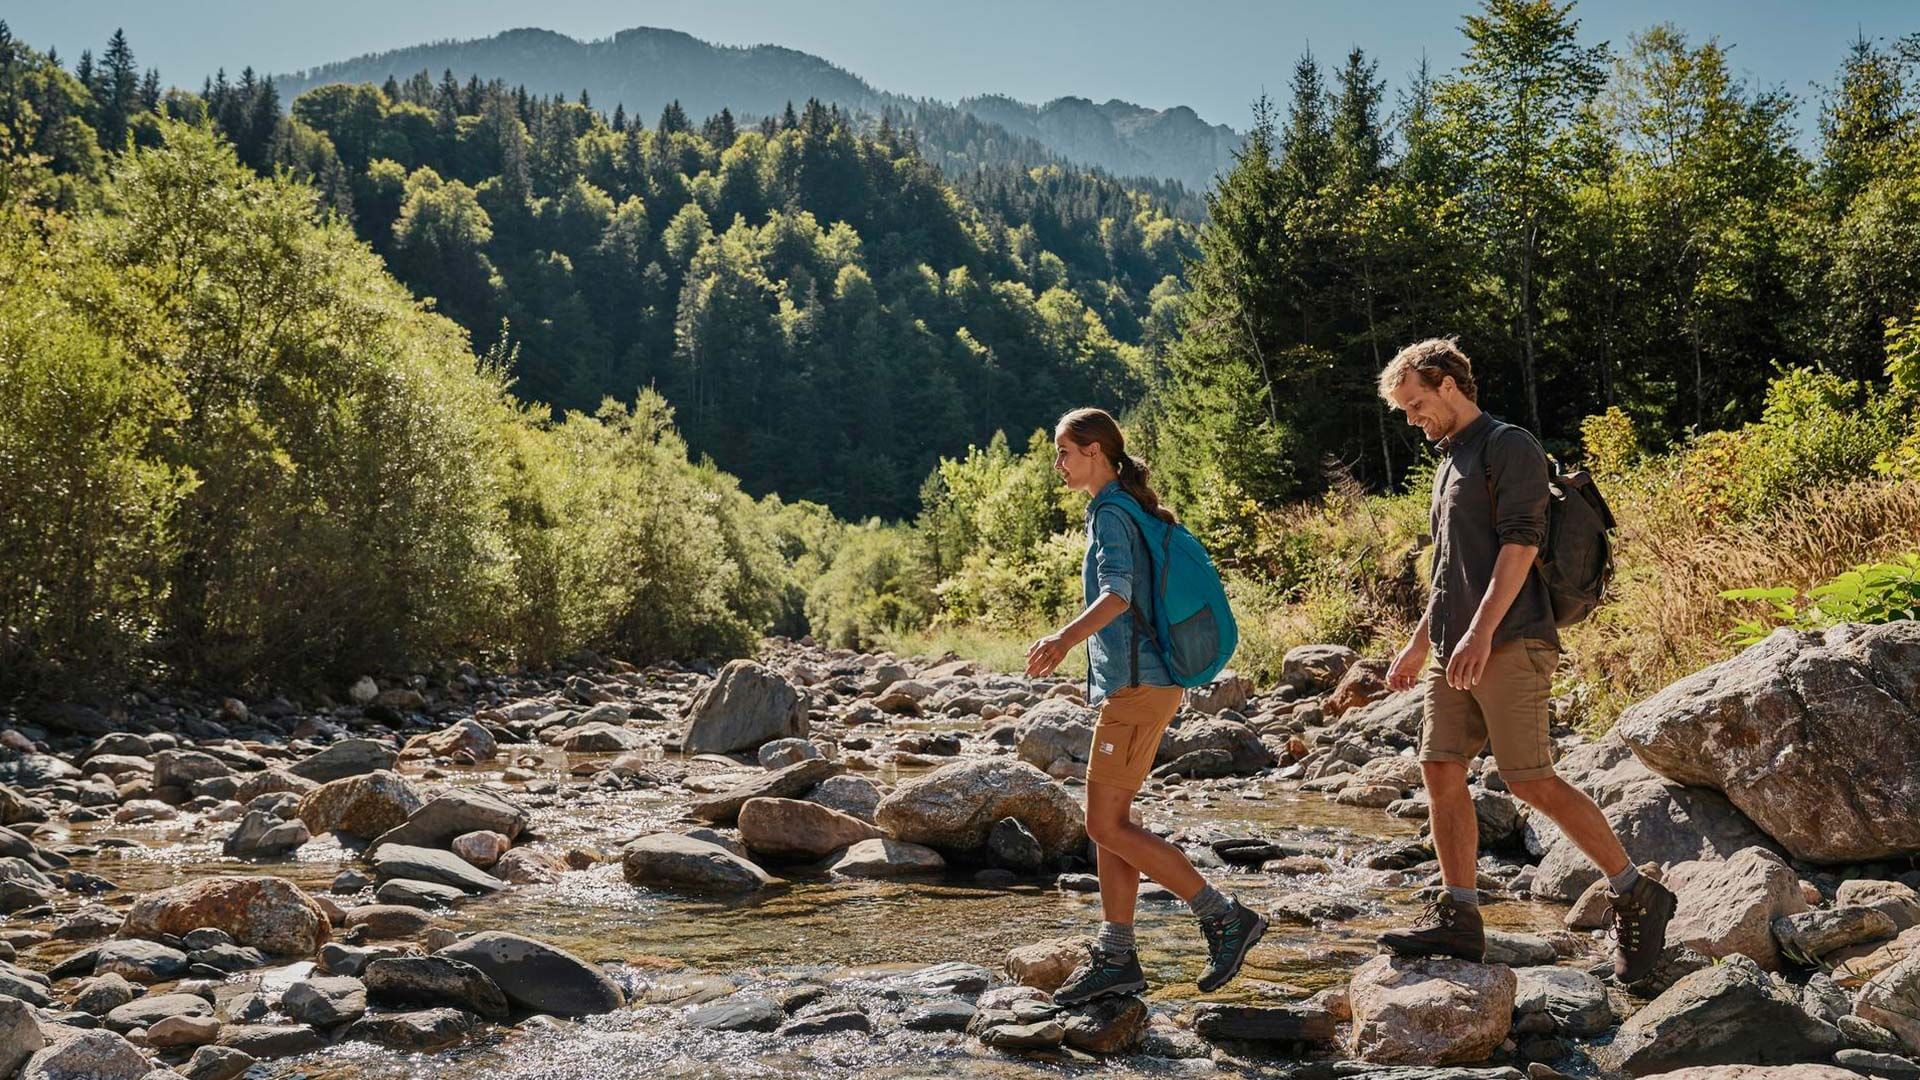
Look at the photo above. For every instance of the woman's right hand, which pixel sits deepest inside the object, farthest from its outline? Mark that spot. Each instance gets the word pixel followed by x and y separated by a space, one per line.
pixel 1044 655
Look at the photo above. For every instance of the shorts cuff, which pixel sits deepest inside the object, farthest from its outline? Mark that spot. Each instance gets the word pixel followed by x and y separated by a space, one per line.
pixel 1447 756
pixel 1132 787
pixel 1521 776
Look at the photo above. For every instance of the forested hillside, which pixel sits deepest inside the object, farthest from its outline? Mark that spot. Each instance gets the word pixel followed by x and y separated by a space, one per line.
pixel 645 69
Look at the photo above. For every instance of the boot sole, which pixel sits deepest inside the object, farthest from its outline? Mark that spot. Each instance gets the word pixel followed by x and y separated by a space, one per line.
pixel 1670 904
pixel 1112 991
pixel 1253 938
pixel 1400 946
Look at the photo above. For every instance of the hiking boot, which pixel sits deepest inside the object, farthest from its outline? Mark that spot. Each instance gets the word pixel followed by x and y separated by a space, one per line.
pixel 1640 916
pixel 1444 929
pixel 1229 938
pixel 1104 974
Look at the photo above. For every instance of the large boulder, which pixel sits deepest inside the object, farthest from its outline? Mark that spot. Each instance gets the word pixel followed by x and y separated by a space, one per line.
pixel 1429 1011
pixel 432 981
pixel 408 863
pixel 1730 1013
pixel 1896 900
pixel 86 1055
pixel 1315 669
pixel 954 807
pixel 796 829
pixel 180 768
pixel 325 1001
pixel 537 976
pixel 673 861
pixel 261 835
pixel 1892 1000
pixel 888 858
pixel 788 782
pixel 1228 690
pixel 1245 752
pixel 1056 736
pixel 268 913
pixel 20 1034
pixel 466 737
pixel 1728 907
pixel 362 806
pixel 348 757
pixel 745 705
pixel 455 813
pixel 1815 736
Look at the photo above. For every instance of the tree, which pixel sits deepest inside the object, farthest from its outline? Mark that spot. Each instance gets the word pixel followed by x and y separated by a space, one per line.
pixel 117 99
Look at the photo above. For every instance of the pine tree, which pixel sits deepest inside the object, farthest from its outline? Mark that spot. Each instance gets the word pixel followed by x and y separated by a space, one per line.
pixel 619 116
pixel 673 119
pixel 119 97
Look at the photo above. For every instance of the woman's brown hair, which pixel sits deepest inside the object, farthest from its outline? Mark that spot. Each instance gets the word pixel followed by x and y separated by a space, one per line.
pixel 1097 427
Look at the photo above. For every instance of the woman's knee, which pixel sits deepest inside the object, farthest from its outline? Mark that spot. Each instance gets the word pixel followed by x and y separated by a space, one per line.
pixel 1104 828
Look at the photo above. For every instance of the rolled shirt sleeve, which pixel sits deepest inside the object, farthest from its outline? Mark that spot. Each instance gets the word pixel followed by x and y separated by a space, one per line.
pixel 1113 554
pixel 1518 469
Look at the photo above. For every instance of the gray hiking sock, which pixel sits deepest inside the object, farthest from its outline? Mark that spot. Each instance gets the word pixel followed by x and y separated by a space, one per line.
pixel 1624 881
pixel 1210 903
pixel 1114 938
pixel 1463 894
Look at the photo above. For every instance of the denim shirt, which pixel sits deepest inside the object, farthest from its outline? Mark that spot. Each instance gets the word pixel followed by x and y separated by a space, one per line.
pixel 1117 563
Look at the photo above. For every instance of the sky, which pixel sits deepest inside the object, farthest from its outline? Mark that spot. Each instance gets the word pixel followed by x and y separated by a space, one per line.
pixel 1215 56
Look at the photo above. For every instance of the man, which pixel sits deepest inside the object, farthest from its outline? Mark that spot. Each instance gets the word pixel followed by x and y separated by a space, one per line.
pixel 1489 623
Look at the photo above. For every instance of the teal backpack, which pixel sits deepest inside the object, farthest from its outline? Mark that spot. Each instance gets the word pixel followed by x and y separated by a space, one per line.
pixel 1193 626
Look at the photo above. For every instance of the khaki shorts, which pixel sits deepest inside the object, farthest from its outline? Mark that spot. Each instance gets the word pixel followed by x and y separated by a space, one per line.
pixel 1509 707
pixel 1132 719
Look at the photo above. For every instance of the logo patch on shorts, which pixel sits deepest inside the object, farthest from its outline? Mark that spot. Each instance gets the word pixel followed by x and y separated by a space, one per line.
pixel 1106 748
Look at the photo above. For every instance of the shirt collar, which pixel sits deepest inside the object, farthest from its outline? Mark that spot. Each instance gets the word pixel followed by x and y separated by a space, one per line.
pixel 1468 435
pixel 1112 488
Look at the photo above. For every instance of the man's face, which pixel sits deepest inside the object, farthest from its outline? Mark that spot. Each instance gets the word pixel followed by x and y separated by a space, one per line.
pixel 1429 408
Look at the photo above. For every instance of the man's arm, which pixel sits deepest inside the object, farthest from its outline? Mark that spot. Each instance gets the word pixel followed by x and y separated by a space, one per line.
pixel 1517 469
pixel 1404 672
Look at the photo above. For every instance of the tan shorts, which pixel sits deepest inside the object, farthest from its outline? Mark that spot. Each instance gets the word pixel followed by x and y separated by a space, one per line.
pixel 1132 719
pixel 1509 707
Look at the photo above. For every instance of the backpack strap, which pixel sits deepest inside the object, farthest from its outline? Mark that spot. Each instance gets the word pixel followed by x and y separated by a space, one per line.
pixel 1139 617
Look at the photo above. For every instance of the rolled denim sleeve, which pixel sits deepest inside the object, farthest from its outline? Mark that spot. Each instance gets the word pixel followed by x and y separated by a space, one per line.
pixel 1113 554
pixel 1519 472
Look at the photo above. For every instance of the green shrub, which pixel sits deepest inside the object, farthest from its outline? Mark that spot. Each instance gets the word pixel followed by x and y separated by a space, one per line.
pixel 1869 593
pixel 872 588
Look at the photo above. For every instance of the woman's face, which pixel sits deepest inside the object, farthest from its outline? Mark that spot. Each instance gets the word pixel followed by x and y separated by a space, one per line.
pixel 1076 463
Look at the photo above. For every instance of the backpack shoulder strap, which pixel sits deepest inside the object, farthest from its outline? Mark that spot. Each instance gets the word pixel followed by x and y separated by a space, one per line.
pixel 1140 626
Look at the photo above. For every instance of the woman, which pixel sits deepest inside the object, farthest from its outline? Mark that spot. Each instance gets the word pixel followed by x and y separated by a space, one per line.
pixel 1128 679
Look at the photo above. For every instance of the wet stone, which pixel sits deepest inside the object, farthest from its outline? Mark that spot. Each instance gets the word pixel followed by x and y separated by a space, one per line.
pixel 827 1023
pixel 741 1012
pixel 951 1015
pixel 419 1031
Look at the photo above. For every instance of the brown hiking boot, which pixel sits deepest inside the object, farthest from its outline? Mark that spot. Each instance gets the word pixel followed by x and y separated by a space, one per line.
pixel 1640 917
pixel 1444 929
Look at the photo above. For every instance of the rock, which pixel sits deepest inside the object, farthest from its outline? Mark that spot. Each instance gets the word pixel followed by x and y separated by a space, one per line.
pixel 348 757
pixel 1245 752
pixel 672 861
pixel 940 1016
pixel 86 1055
pixel 1658 822
pixel 144 962
pixel 1056 736
pixel 361 806
pixel 951 978
pixel 325 1001
pixel 20 1034
pixel 1429 1011
pixel 853 795
pixel 1364 683
pixel 525 866
pixel 432 865
pixel 482 848
pixel 826 1023
pixel 419 1031
pixel 538 976
pixel 434 980
pixel 1574 1001
pixel 184 1030
pixel 783 752
pixel 883 858
pixel 217 1063
pixel 1809 935
pixel 789 782
pixel 1898 901
pixel 1041 1035
pixel 1011 846
pixel 388 921
pixel 1372 796
pixel 954 807
pixel 1228 690
pixel 1813 735
pixel 1892 1000
pixel 1729 907
pixel 1264 1023
pixel 796 829
pixel 150 1010
pixel 99 995
pixel 1315 669
pixel 1111 1025
pixel 180 768
pixel 17 809
pixel 745 706
pixel 1854 966
pixel 400 892
pixel 1726 1014
pixel 269 782
pixel 1045 965
pixel 600 738
pixel 363 691
pixel 1518 950
pixel 1891 1066
pixel 445 816
pixel 741 1012
pixel 261 835
pixel 1760 1072
pixel 267 913
pixel 464 738
pixel 272 1040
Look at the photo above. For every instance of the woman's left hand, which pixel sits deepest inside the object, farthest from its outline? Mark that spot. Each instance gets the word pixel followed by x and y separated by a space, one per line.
pixel 1044 655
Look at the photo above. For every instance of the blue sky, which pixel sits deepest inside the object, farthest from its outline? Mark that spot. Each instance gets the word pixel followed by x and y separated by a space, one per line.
pixel 1213 56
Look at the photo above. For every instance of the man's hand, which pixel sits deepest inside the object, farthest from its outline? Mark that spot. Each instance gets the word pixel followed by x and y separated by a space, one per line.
pixel 1044 655
pixel 1469 661
pixel 1404 673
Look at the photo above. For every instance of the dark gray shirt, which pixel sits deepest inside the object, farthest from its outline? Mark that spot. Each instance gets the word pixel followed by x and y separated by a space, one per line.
pixel 1470 524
